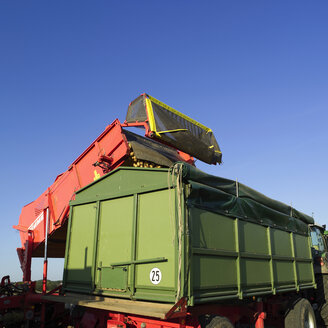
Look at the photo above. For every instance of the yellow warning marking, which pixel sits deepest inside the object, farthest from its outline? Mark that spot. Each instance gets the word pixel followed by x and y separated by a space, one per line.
pixel 97 175
pixel 151 118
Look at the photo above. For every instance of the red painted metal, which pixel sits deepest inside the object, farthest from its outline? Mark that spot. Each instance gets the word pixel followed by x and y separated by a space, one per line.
pixel 253 313
pixel 178 310
pixel 144 322
pixel 260 315
pixel 28 300
pixel 11 302
pixel 44 280
pixel 115 324
pixel 111 143
pixel 55 291
pixel 188 319
pixel 25 256
pixel 259 323
pixel 145 125
pixel 20 301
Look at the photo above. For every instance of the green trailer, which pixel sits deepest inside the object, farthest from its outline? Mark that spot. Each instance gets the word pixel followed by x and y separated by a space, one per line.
pixel 161 235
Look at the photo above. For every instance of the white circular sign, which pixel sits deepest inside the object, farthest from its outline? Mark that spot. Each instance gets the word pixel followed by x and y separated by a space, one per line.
pixel 155 276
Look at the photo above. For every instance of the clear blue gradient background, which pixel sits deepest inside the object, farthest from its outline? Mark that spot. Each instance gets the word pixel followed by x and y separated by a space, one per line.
pixel 254 71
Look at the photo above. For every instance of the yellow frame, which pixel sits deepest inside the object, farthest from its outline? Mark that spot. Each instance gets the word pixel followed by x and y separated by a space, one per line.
pixel 152 123
pixel 150 114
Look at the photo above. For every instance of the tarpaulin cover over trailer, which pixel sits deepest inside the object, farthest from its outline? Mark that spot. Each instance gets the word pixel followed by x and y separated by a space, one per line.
pixel 236 199
pixel 155 234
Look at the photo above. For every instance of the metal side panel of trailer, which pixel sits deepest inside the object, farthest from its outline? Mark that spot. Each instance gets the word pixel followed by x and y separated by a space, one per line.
pixel 159 235
pixel 119 231
pixel 234 259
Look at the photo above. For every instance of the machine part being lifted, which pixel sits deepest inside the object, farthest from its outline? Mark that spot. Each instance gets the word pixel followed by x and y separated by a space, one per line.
pixel 167 125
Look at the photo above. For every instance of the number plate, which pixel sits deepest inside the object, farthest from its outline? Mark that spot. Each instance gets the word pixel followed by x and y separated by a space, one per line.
pixel 155 276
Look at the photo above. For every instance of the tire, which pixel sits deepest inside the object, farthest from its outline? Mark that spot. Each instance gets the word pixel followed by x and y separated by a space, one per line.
pixel 300 315
pixel 220 322
pixel 322 298
pixel 324 313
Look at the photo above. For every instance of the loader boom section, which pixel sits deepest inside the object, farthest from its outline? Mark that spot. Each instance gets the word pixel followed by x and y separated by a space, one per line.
pixel 112 145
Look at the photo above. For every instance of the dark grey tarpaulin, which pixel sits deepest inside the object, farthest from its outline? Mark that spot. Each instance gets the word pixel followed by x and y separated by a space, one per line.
pixel 188 137
pixel 176 129
pixel 150 150
pixel 137 111
pixel 220 195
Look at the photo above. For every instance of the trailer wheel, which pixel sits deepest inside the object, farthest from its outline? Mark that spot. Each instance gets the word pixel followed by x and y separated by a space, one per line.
pixel 324 313
pixel 322 298
pixel 220 322
pixel 300 315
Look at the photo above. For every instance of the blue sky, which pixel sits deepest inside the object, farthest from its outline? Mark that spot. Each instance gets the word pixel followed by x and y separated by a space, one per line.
pixel 254 71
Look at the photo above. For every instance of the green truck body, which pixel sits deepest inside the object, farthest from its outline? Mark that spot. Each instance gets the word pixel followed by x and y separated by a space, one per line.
pixel 163 234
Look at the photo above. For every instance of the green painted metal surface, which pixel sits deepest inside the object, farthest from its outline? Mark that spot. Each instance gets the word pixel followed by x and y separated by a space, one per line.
pixel 132 235
pixel 81 247
pixel 115 278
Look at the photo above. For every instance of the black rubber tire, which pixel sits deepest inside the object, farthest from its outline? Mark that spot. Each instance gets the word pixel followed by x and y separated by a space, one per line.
pixel 220 322
pixel 322 298
pixel 300 315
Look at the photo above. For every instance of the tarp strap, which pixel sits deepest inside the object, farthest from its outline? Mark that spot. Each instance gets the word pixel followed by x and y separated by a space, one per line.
pixel 176 130
pixel 178 170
